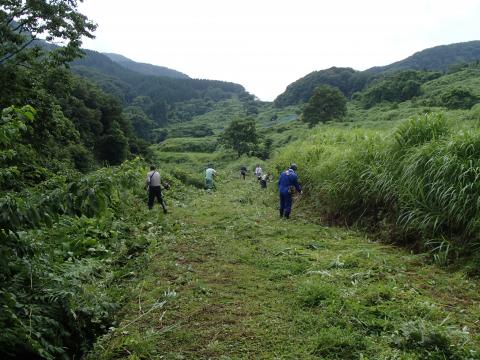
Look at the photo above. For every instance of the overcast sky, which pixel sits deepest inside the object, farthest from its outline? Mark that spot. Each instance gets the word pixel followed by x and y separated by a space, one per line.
pixel 267 44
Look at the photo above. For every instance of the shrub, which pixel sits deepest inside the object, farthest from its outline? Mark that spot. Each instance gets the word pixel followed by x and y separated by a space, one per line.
pixel 459 98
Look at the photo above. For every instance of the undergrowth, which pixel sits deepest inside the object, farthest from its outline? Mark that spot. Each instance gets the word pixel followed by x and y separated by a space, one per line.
pixel 419 183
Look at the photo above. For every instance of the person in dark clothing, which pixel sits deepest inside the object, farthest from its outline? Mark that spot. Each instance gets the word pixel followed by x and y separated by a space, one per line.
pixel 243 171
pixel 153 184
pixel 264 179
pixel 287 183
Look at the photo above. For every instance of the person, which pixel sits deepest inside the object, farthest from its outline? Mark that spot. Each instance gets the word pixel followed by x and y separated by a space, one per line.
pixel 243 171
pixel 287 182
pixel 258 172
pixel 153 184
pixel 210 173
pixel 263 180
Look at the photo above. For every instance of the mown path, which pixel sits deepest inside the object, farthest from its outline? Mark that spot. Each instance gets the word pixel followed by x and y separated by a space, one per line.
pixel 236 282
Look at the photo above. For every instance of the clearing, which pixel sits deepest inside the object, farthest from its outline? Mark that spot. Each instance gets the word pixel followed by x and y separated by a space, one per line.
pixel 230 280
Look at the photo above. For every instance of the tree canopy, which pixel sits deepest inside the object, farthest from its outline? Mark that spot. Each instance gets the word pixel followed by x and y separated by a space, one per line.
pixel 327 103
pixel 22 22
pixel 241 136
pixel 396 87
pixel 347 80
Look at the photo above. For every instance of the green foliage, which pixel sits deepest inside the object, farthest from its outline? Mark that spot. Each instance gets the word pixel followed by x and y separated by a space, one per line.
pixel 22 23
pixel 185 111
pixel 60 244
pixel 327 103
pixel 146 69
pixel 191 130
pixel 398 87
pixel 163 99
pixel 438 58
pixel 421 181
pixel 459 98
pixel 113 147
pixel 315 293
pixel 241 136
pixel 420 130
pixel 13 123
pixel 206 144
pixel 187 178
pixel 466 78
pixel 142 125
pixel 338 343
pixel 347 80
pixel 430 342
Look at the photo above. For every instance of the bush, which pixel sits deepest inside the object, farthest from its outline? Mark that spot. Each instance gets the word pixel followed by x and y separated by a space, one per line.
pixel 58 242
pixel 459 98
pixel 187 178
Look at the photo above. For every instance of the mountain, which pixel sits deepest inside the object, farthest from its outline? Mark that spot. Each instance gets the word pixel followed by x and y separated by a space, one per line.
pixel 439 58
pixel 145 69
pixel 162 99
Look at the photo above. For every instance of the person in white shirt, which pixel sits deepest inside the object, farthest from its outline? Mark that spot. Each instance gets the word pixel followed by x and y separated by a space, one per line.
pixel 210 174
pixel 154 189
pixel 258 172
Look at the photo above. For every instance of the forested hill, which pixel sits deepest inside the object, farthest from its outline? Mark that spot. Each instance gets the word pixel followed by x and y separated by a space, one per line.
pixel 347 80
pixel 439 58
pixel 146 69
pixel 156 100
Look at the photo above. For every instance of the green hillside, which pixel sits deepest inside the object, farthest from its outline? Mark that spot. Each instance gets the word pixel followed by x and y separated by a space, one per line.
pixel 437 59
pixel 379 259
pixel 146 69
pixel 157 100
pixel 346 79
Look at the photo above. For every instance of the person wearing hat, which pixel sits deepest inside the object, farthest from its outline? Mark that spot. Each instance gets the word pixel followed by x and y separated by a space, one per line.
pixel 287 184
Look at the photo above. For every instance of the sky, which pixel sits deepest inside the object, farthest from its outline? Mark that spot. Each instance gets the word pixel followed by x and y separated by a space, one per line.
pixel 267 44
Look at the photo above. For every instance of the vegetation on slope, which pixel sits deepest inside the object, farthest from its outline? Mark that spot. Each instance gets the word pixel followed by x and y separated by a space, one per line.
pixel 439 58
pixel 145 69
pixel 162 99
pixel 420 182
pixel 347 80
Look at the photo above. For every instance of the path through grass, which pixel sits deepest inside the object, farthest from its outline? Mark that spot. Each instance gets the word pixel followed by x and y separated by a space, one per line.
pixel 232 281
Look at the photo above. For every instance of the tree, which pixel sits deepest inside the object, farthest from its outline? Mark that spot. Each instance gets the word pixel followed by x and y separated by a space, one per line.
pixel 241 135
pixel 458 98
pixel 327 103
pixel 22 22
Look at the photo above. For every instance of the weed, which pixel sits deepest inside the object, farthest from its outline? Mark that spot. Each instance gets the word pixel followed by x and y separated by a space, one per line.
pixel 314 292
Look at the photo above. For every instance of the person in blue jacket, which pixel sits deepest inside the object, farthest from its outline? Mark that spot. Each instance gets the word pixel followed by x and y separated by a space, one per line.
pixel 287 181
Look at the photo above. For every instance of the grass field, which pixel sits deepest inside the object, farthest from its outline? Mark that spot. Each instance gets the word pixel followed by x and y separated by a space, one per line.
pixel 230 280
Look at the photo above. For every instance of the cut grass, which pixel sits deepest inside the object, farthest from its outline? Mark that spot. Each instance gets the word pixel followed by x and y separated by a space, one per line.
pixel 241 284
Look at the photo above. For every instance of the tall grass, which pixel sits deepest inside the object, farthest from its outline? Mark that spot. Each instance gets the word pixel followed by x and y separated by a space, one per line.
pixel 423 179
